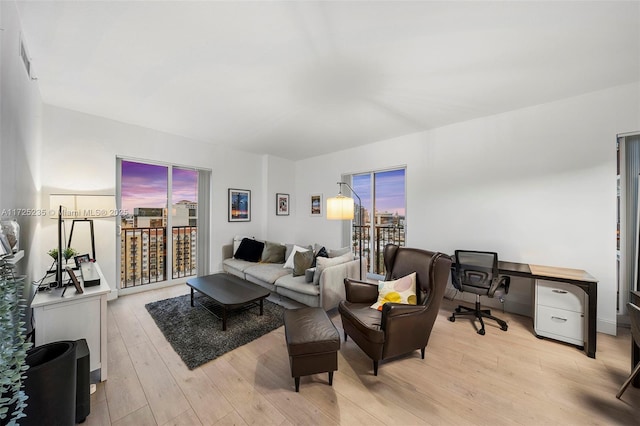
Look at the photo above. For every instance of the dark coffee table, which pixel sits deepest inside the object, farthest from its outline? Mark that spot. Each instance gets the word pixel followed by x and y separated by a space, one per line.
pixel 228 292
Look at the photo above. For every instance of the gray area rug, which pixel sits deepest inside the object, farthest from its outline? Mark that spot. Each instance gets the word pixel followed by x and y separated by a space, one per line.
pixel 197 336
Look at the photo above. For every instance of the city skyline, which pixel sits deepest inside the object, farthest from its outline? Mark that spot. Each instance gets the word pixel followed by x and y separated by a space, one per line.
pixel 145 185
pixel 389 188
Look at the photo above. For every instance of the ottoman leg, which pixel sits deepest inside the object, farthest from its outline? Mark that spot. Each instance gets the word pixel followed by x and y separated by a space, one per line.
pixel 297 380
pixel 330 378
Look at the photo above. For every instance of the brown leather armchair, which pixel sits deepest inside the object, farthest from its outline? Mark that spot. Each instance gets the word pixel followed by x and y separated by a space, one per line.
pixel 399 328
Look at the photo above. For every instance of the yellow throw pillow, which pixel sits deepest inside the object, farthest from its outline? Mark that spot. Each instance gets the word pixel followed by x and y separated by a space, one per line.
pixel 402 290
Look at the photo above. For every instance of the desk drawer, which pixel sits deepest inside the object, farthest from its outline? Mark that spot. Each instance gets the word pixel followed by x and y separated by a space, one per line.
pixel 560 324
pixel 560 295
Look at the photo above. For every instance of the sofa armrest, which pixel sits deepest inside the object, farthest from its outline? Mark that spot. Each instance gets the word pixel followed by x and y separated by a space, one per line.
pixel 227 251
pixel 331 283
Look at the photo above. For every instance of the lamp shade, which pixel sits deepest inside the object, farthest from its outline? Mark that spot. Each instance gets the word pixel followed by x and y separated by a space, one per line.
pixel 82 206
pixel 340 208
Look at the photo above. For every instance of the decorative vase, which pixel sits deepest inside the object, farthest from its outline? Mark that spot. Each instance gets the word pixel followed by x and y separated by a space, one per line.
pixel 11 230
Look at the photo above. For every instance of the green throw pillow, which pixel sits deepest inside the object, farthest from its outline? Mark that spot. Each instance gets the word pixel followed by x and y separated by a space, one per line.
pixel 273 253
pixel 302 261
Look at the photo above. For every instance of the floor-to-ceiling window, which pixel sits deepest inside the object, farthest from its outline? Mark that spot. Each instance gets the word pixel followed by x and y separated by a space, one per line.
pixel 383 214
pixel 159 228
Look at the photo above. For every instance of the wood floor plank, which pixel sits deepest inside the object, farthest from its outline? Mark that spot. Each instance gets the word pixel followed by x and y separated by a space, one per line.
pixel 250 404
pixel 163 394
pixel 189 417
pixel 123 390
pixel 140 417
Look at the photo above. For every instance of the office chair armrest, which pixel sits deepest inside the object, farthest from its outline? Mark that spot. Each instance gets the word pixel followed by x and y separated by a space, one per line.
pixel 360 291
pixel 502 281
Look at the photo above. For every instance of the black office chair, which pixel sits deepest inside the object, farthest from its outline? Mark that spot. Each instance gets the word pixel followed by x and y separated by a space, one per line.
pixel 477 272
pixel 634 316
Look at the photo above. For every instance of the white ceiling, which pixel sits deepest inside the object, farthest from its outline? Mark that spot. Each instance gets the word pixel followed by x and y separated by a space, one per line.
pixel 299 79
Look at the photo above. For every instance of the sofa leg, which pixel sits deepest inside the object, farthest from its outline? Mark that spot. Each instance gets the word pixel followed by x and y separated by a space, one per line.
pixel 297 380
pixel 330 378
pixel 422 352
pixel 375 368
pixel 345 336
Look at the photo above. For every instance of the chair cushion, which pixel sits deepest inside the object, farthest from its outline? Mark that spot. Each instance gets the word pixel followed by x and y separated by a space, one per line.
pixel 402 290
pixel 364 319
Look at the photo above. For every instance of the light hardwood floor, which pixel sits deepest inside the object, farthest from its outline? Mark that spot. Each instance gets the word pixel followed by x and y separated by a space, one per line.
pixel 502 378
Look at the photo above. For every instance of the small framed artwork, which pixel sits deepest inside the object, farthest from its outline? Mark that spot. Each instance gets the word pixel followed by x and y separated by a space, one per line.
pixel 239 205
pixel 315 205
pixel 81 259
pixel 282 204
pixel 75 281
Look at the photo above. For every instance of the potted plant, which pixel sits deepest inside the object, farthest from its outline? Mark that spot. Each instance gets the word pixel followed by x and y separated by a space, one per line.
pixel 13 346
pixel 67 253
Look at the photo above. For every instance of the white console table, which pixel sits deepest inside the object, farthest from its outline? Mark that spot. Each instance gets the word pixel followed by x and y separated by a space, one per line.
pixel 75 316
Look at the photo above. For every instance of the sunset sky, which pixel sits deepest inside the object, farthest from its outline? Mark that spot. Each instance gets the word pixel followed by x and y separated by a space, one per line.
pixel 389 186
pixel 145 185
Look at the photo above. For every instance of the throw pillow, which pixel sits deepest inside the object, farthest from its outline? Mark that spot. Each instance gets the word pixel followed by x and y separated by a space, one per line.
pixel 249 250
pixel 289 262
pixel 323 263
pixel 322 252
pixel 339 252
pixel 273 253
pixel 302 260
pixel 402 290
pixel 236 242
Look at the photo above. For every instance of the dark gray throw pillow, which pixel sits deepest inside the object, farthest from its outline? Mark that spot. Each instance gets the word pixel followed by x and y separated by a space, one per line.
pixel 302 261
pixel 273 253
pixel 321 253
pixel 249 250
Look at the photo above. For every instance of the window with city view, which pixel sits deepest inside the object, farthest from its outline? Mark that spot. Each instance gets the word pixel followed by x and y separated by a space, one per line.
pixel 145 244
pixel 383 204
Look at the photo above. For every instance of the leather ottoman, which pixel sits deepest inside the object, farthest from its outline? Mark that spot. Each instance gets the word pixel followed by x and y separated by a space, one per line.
pixel 312 342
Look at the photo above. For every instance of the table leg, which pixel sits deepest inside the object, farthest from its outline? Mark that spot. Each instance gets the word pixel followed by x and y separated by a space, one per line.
pixel 192 304
pixel 224 318
pixel 592 294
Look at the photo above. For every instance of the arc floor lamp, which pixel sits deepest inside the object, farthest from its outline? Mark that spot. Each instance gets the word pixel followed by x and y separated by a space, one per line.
pixel 341 207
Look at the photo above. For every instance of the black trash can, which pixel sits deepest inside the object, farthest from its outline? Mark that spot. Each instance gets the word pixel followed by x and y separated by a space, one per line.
pixel 50 385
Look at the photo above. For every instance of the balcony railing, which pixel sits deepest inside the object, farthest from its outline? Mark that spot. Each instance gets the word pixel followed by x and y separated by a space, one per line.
pixel 383 235
pixel 143 254
pixel 134 271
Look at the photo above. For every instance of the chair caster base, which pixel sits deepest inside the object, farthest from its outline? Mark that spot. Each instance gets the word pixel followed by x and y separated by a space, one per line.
pixel 452 318
pixel 481 332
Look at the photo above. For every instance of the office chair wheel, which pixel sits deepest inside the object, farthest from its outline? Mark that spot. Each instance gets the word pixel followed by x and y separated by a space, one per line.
pixel 481 332
pixel 504 328
pixel 452 318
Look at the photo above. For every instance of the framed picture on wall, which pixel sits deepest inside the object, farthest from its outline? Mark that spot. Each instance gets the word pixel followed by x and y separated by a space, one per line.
pixel 282 204
pixel 315 205
pixel 239 205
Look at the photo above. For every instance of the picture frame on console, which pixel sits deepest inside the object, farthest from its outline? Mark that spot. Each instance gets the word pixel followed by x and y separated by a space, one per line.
pixel 282 204
pixel 81 259
pixel 315 205
pixel 239 205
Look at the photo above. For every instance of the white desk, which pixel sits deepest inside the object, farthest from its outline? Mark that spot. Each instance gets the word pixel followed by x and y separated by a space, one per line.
pixel 75 316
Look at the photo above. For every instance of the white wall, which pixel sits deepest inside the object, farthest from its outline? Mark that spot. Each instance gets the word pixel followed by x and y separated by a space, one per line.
pixel 279 177
pixel 20 111
pixel 79 155
pixel 537 185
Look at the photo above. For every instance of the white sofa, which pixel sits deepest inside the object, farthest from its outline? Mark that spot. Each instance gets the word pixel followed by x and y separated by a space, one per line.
pixel 326 294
